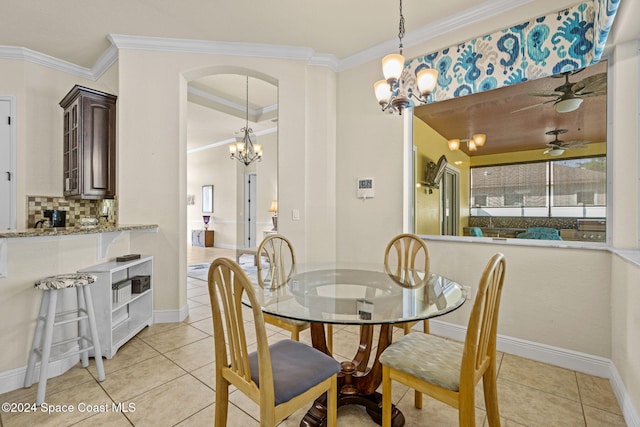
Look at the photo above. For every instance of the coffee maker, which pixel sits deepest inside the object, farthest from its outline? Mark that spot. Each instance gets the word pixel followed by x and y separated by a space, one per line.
pixel 57 218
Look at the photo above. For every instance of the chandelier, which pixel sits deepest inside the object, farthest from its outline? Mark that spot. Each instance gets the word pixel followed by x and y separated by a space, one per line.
pixel 245 150
pixel 395 92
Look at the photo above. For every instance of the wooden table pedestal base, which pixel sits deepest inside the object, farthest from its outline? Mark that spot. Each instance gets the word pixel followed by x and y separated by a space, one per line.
pixel 356 382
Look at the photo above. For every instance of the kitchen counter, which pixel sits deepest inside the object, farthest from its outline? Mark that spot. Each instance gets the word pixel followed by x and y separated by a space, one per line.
pixel 105 235
pixel 70 231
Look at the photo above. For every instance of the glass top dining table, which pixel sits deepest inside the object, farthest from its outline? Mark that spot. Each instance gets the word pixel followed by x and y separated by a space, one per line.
pixel 357 294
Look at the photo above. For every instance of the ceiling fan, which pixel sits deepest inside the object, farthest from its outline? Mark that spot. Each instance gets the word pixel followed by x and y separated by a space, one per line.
pixel 557 146
pixel 569 96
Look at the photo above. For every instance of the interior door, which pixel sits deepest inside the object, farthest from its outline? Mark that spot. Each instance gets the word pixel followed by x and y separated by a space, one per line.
pixel 450 193
pixel 250 186
pixel 7 204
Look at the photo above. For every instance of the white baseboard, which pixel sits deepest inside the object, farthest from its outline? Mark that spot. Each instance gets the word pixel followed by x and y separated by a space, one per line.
pixel 171 316
pixel 628 410
pixel 568 359
pixel 14 378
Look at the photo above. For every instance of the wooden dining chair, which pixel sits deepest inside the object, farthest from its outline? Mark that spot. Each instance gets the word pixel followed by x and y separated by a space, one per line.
pixel 280 256
pixel 407 251
pixel 448 370
pixel 282 377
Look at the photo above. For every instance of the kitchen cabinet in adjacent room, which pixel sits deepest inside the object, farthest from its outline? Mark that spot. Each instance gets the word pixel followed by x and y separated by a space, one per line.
pixel 89 144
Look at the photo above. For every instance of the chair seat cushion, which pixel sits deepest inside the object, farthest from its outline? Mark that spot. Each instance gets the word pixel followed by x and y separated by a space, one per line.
pixel 296 368
pixel 429 358
pixel 62 281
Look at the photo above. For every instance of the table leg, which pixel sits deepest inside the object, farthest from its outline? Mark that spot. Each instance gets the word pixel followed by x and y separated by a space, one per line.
pixel 357 383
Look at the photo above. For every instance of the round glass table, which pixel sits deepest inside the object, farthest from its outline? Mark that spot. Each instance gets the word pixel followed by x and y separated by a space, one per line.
pixel 364 295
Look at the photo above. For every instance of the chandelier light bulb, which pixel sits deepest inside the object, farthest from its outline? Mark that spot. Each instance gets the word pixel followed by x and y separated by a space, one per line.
pixel 471 145
pixel 392 67
pixel 427 79
pixel 454 144
pixel 382 91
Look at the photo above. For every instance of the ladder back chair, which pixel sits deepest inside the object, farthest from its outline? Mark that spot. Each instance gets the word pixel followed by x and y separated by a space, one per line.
pixel 407 251
pixel 281 258
pixel 448 370
pixel 281 378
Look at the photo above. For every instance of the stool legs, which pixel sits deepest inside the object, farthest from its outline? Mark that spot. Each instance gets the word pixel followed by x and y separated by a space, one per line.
pixel 97 351
pixel 37 340
pixel 43 337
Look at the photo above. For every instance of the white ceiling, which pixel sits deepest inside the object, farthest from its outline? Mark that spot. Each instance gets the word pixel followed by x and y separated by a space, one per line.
pixel 76 30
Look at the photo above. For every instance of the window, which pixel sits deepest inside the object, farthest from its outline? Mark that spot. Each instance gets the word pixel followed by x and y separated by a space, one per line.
pixel 555 188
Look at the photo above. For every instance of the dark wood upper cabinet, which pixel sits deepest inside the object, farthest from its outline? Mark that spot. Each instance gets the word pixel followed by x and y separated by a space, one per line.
pixel 89 144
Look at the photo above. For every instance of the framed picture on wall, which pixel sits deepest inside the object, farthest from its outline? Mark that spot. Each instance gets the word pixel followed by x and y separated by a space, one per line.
pixel 207 199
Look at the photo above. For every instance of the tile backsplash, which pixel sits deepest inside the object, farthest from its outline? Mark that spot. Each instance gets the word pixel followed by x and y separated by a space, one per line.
pixel 104 210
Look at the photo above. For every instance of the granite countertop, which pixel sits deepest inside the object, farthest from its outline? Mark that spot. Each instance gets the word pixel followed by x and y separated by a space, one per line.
pixel 69 231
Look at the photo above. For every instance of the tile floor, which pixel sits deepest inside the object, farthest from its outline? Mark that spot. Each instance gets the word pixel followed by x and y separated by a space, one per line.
pixel 165 377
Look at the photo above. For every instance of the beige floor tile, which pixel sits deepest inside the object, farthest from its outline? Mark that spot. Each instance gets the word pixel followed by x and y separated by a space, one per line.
pixel 157 328
pixel 73 377
pixel 206 374
pixel 597 417
pixel 193 356
pixel 175 338
pixel 235 418
pixel 135 351
pixel 172 402
pixel 433 413
pixel 597 393
pixel 202 299
pixel 105 419
pixel 197 291
pixel 541 376
pixel 204 325
pixel 194 304
pixel 535 408
pixel 63 408
pixel 125 384
pixel 200 312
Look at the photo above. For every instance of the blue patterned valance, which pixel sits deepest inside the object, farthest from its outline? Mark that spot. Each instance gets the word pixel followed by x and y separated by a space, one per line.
pixel 567 40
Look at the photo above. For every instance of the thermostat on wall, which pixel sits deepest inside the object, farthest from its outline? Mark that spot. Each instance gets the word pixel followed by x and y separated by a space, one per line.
pixel 365 188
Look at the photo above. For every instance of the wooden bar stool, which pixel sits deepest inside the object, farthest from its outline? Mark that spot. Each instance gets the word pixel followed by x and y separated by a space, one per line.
pixel 48 318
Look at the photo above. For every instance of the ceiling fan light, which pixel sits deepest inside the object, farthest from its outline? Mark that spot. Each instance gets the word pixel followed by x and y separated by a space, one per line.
pixel 556 152
pixel 568 105
pixel 454 144
pixel 427 79
pixel 392 67
pixel 382 91
pixel 479 139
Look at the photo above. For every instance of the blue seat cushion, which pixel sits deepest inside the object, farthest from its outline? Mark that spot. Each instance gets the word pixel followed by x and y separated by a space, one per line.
pixel 296 368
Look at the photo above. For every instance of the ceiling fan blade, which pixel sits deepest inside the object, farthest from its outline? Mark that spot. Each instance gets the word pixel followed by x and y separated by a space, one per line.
pixel 595 83
pixel 532 106
pixel 547 94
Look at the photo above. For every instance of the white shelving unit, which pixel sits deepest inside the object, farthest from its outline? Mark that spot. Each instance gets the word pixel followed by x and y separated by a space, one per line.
pixel 119 322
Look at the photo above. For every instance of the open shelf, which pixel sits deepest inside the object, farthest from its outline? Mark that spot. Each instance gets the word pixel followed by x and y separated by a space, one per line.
pixel 119 322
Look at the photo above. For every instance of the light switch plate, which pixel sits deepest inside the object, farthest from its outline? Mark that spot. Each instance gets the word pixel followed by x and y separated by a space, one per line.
pixel 295 214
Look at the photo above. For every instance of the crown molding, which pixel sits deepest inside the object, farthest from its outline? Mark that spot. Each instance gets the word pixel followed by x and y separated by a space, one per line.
pixel 451 23
pixel 483 11
pixel 28 55
pixel 255 50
